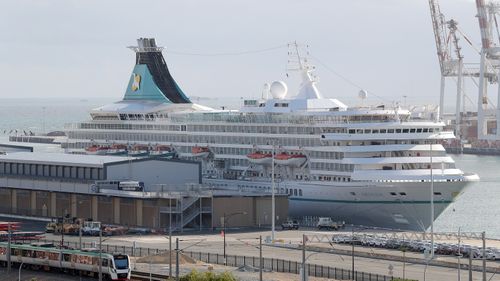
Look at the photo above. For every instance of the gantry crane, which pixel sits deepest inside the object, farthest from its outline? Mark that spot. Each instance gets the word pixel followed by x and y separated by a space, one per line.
pixel 489 67
pixel 450 59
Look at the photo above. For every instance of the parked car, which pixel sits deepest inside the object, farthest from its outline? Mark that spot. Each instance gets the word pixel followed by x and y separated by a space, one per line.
pixel 290 225
pixel 328 223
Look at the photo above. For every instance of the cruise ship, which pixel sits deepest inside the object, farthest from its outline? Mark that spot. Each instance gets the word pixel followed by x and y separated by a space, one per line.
pixel 364 165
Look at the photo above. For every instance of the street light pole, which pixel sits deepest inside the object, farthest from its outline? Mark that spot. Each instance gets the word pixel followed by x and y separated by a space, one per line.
pixel 20 266
pixel 352 253
pixel 177 259
pixel 260 258
pixel 170 237
pixel 432 204
pixel 303 277
pixel 9 230
pixel 100 252
pixel 80 233
pixel 273 222
pixel 224 235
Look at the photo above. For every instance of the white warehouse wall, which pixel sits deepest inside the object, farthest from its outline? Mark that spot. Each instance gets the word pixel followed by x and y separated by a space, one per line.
pixel 153 172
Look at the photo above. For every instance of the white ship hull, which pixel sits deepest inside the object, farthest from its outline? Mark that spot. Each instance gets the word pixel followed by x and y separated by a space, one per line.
pixel 371 205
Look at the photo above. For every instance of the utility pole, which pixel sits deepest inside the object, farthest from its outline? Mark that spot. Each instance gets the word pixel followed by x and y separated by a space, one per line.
pixel 9 230
pixel 483 236
pixel 273 203
pixel 352 253
pixel 80 233
pixel 470 266
pixel 304 273
pixel 100 252
pixel 224 235
pixel 177 259
pixel 170 237
pixel 432 204
pixel 62 229
pixel 459 254
pixel 261 264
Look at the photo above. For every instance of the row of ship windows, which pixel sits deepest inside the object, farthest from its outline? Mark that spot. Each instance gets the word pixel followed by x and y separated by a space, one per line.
pixel 436 180
pixel 208 128
pixel 392 131
pixel 281 190
pixel 206 139
pixel 332 167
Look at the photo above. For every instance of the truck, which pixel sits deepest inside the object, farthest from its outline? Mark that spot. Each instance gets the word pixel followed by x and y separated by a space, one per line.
pixel 329 224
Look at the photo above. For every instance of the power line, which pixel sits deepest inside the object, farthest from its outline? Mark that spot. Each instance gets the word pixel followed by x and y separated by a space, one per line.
pixel 345 78
pixel 228 53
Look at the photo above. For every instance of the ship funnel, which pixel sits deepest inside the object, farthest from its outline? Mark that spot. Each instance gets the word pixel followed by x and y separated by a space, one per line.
pixel 151 79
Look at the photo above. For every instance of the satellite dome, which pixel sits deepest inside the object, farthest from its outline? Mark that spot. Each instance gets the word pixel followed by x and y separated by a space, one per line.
pixel 363 94
pixel 278 89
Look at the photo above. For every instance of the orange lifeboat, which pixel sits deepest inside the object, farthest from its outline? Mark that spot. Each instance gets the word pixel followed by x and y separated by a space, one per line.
pixel 117 149
pixel 97 150
pixel 139 150
pixel 260 158
pixel 200 151
pixel 162 151
pixel 288 159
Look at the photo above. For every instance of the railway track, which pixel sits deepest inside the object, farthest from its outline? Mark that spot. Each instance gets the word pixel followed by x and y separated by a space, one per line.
pixel 139 276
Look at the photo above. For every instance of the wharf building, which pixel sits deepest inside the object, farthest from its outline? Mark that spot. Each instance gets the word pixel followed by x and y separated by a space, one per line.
pixel 141 192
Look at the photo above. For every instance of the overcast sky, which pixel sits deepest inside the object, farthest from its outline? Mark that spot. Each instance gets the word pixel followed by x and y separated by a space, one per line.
pixel 78 49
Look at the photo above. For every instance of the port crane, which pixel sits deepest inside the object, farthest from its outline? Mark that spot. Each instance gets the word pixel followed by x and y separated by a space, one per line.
pixel 451 60
pixel 489 67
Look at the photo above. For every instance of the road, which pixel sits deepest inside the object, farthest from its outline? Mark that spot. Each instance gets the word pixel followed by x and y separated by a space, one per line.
pixel 245 243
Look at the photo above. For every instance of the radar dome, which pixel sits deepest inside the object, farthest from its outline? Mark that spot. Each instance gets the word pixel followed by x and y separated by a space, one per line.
pixel 278 89
pixel 363 94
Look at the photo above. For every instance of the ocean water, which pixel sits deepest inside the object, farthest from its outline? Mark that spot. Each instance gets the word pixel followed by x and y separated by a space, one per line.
pixel 476 210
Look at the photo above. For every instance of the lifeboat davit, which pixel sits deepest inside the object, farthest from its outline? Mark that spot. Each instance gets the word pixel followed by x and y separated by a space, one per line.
pixel 97 150
pixel 162 151
pixel 260 158
pixel 294 160
pixel 139 150
pixel 200 151
pixel 117 149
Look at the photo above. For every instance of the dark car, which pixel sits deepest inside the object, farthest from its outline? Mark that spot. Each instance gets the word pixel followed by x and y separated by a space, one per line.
pixel 290 225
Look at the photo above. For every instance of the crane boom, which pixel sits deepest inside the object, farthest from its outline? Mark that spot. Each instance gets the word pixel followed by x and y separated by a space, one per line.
pixel 484 25
pixel 438 25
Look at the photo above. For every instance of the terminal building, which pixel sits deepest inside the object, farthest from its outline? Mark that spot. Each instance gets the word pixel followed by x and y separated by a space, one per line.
pixel 140 192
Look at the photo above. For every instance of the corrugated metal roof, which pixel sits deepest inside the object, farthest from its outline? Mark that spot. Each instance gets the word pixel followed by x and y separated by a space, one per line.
pixel 60 159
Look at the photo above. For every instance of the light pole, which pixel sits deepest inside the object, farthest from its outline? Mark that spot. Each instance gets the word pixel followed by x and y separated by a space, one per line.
pixel 100 252
pixel 20 266
pixel 352 253
pixel 432 204
pixel 225 219
pixel 8 247
pixel 177 259
pixel 303 276
pixel 170 238
pixel 80 233
pixel 261 264
pixel 273 222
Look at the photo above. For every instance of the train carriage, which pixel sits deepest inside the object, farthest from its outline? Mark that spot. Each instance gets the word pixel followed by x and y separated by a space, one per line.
pixel 114 266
